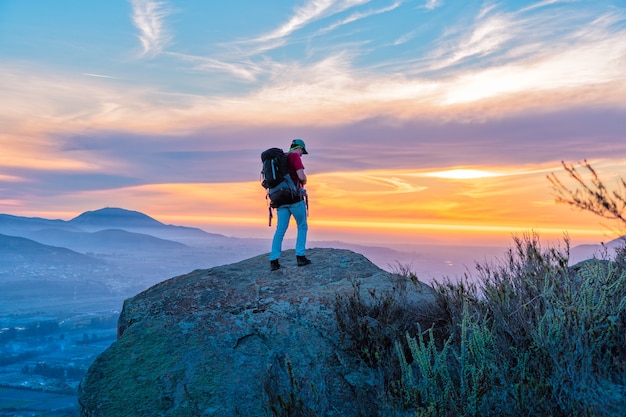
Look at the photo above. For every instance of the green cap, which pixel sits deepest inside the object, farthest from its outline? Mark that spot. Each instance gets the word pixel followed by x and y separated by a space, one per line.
pixel 298 143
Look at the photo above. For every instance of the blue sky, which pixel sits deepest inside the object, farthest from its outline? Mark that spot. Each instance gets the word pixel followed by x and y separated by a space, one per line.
pixel 138 103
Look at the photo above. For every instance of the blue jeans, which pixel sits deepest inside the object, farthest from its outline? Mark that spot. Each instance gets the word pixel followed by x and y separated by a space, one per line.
pixel 284 213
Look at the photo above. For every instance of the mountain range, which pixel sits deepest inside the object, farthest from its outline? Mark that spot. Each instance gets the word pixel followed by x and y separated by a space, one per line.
pixel 143 245
pixel 96 221
pixel 118 231
pixel 125 250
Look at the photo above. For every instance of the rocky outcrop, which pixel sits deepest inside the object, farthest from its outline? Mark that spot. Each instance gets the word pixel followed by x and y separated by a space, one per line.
pixel 239 340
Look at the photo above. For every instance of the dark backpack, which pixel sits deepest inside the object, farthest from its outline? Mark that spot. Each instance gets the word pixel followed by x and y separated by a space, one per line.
pixel 274 167
pixel 276 180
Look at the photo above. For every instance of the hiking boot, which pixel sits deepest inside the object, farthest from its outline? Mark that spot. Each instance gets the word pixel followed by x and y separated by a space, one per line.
pixel 274 265
pixel 302 260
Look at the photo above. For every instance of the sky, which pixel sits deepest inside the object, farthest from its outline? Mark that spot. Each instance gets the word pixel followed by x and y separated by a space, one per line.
pixel 426 121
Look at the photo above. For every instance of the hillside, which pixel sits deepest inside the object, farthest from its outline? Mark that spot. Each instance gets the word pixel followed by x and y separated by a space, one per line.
pixel 18 251
pixel 108 240
pixel 15 225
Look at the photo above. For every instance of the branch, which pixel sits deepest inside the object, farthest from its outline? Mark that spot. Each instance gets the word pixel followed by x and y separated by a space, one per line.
pixel 591 195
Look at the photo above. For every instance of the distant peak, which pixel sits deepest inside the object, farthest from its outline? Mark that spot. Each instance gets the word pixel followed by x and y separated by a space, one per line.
pixel 115 216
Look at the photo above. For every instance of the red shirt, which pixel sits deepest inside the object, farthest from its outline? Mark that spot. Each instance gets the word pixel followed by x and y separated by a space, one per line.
pixel 294 162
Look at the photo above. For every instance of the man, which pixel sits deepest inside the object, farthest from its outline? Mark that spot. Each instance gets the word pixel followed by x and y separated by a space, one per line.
pixel 297 209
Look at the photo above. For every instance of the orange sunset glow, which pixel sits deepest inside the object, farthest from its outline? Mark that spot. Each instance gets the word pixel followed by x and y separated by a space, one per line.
pixel 472 206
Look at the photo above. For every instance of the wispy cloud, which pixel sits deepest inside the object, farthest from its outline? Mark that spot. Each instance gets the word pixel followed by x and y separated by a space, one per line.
pixel 405 38
pixel 10 178
pixel 489 33
pixel 545 3
pixel 313 10
pixel 242 69
pixel 536 40
pixel 432 4
pixel 590 56
pixel 87 74
pixel 149 17
pixel 361 15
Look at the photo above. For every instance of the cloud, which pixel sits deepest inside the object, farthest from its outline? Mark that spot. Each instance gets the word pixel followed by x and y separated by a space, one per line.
pixel 583 68
pixel 238 57
pixel 463 174
pixel 242 69
pixel 488 34
pixel 149 17
pixel 594 57
pixel 361 15
pixel 312 11
pixel 432 4
pixel 87 74
pixel 497 36
pixel 545 3
pixel 405 38
pixel 10 178
pixel 502 55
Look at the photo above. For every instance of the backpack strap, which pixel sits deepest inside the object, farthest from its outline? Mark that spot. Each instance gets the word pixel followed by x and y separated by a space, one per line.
pixel 305 197
pixel 271 216
pixel 269 209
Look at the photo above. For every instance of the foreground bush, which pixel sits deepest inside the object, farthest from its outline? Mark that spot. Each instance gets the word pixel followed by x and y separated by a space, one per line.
pixel 528 336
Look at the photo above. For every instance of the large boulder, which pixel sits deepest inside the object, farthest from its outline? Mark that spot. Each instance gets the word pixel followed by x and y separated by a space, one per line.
pixel 239 340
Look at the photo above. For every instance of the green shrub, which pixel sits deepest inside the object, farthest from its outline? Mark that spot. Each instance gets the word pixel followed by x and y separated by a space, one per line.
pixel 528 336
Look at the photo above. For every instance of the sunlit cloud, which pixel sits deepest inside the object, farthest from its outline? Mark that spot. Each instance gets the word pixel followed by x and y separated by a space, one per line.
pixel 11 203
pixel 463 174
pixel 11 178
pixel 45 161
pixel 587 63
pixel 31 153
pixel 149 18
pixel 373 182
pixel 474 173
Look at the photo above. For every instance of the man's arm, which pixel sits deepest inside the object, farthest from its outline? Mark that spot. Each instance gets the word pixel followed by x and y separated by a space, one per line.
pixel 301 176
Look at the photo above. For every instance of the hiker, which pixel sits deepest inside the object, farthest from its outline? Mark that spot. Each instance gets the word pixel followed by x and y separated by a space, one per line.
pixel 298 209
